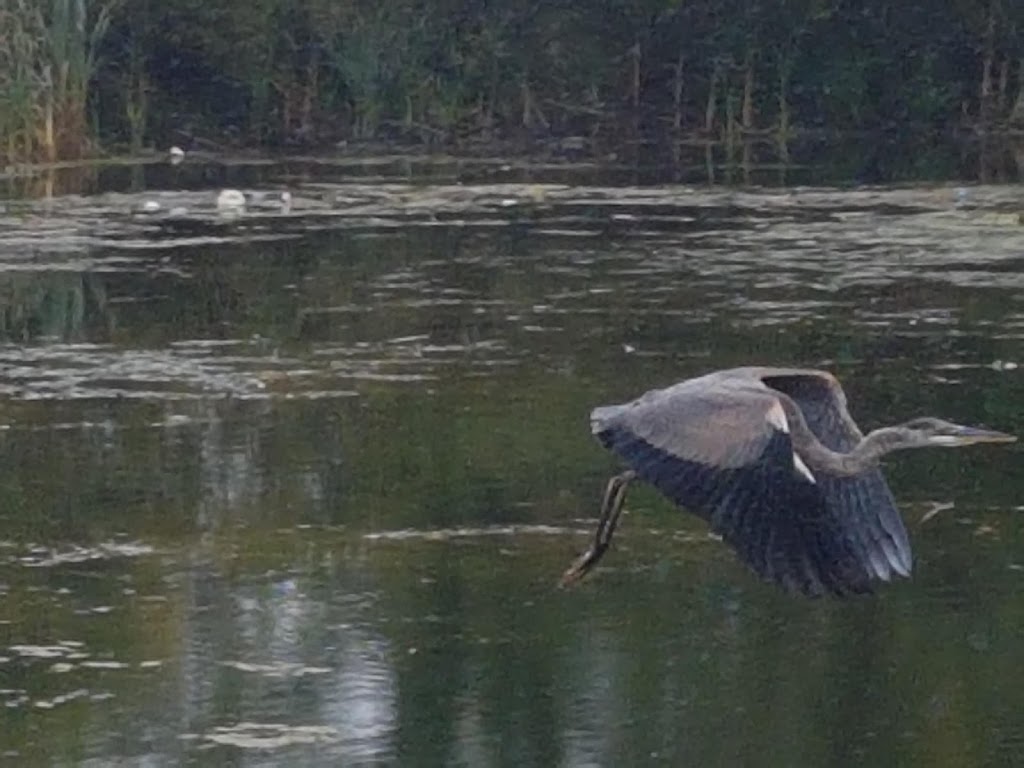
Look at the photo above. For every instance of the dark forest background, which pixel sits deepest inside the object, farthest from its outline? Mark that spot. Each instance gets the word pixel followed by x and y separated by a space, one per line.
pixel 77 76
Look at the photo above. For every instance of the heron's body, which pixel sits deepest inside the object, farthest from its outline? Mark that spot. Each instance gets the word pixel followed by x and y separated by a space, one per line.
pixel 771 458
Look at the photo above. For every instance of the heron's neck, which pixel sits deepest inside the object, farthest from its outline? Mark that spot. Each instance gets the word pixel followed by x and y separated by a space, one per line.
pixel 863 456
pixel 860 458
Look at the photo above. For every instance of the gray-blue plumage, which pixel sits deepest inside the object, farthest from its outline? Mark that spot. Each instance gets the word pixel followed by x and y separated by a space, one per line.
pixel 865 499
pixel 772 459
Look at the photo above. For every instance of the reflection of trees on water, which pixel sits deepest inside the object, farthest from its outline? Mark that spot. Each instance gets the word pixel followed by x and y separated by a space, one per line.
pixel 296 650
pixel 69 306
pixel 270 464
pixel 231 480
pixel 591 716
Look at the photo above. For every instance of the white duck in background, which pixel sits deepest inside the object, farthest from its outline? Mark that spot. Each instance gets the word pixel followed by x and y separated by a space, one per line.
pixel 230 202
pixel 233 202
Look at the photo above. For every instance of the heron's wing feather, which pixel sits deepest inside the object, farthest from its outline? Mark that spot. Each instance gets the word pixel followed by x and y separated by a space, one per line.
pixel 723 456
pixel 724 427
pixel 774 518
pixel 864 500
pixel 819 388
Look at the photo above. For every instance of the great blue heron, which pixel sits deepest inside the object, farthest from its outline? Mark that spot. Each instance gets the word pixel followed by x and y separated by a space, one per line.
pixel 772 459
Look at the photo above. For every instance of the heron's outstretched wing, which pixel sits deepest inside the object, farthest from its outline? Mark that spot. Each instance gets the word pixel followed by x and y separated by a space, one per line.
pixel 864 501
pixel 724 453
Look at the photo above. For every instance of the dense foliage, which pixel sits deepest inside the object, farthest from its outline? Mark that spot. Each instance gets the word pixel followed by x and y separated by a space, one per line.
pixel 465 71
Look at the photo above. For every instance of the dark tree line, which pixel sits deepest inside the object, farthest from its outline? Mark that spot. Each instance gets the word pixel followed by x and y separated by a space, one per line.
pixel 465 72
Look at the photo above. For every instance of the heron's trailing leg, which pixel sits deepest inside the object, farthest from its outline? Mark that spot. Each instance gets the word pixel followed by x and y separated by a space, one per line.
pixel 611 508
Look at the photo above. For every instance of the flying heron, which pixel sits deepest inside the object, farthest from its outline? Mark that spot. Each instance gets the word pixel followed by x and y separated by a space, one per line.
pixel 773 461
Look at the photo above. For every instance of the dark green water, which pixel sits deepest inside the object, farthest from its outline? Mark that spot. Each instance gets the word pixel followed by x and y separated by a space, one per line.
pixel 296 489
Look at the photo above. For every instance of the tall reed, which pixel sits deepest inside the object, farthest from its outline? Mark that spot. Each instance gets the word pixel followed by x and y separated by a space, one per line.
pixel 47 60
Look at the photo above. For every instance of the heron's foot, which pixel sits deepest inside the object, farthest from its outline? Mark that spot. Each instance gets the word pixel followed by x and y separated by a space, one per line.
pixel 611 508
pixel 581 566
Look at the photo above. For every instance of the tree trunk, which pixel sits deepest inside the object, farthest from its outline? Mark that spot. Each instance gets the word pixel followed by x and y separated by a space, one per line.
pixel 531 112
pixel 635 84
pixel 137 90
pixel 635 88
pixel 783 131
pixel 49 140
pixel 711 109
pixel 709 162
pixel 747 112
pixel 1004 86
pixel 135 110
pixel 677 96
pixel 310 92
pixel 730 132
pixel 1017 113
pixel 987 65
pixel 748 160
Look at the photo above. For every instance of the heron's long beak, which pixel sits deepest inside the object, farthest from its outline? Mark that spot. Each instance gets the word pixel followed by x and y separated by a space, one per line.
pixel 971 435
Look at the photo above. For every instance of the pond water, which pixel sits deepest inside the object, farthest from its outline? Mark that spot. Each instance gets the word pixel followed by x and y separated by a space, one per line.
pixel 296 486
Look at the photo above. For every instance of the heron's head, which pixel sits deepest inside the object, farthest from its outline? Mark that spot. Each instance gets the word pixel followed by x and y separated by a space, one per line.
pixel 929 431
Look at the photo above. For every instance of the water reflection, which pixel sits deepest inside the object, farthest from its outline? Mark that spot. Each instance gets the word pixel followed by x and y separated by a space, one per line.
pixel 299 489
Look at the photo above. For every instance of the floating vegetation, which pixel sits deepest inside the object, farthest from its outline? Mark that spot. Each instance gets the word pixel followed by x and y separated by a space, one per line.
pixel 279 669
pixel 445 534
pixel 46 557
pixel 70 650
pixel 106 664
pixel 804 219
pixel 64 698
pixel 247 735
